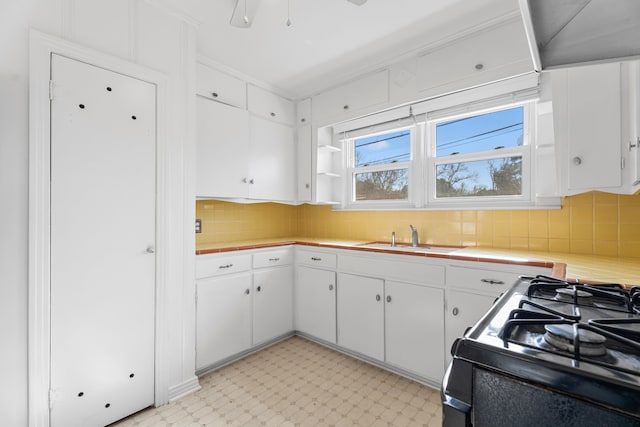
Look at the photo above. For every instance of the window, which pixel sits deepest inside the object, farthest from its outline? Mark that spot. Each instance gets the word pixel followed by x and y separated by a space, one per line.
pixel 473 155
pixel 379 166
pixel 480 156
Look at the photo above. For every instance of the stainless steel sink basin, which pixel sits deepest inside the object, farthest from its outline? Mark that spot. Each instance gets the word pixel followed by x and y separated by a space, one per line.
pixel 409 248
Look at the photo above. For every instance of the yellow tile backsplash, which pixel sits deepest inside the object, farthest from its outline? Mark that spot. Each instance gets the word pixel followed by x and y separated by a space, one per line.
pixel 590 223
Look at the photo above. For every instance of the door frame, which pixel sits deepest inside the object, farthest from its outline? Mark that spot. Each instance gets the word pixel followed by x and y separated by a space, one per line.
pixel 41 47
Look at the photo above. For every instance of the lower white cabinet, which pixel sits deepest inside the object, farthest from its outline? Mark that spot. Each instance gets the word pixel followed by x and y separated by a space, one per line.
pixel 272 303
pixel 223 317
pixel 414 325
pixel 401 324
pixel 464 309
pixel 239 307
pixel 361 314
pixel 315 303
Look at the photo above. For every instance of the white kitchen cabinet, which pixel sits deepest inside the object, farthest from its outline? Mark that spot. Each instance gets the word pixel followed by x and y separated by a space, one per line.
pixel 471 289
pixel 221 87
pixel 592 127
pixel 315 303
pixel 304 143
pixel 351 99
pixel 464 309
pixel 482 57
pixel 414 332
pixel 243 156
pixel 267 104
pixel 272 303
pixel 223 317
pixel 271 160
pixel 360 302
pixel 222 150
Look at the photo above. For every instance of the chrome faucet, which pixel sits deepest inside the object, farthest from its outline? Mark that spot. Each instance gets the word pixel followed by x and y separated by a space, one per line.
pixel 414 236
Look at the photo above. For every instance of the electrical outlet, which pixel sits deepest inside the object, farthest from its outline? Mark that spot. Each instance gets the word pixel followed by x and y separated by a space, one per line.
pixel 198 226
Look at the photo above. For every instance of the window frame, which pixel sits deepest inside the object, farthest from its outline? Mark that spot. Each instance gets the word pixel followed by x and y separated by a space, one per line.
pixel 351 170
pixel 524 151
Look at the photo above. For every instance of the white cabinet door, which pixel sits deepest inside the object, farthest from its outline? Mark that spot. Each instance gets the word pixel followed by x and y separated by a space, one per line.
pixel 269 105
pixel 361 314
pixel 222 150
pixel 304 163
pixel 486 56
pixel 415 328
pixel 315 303
pixel 223 318
pixel 272 303
pixel 464 309
pixel 221 87
pixel 271 160
pixel 347 100
pixel 594 127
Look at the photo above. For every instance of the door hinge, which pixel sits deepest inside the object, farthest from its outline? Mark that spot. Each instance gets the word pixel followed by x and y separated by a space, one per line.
pixel 52 397
pixel 622 163
pixel 50 90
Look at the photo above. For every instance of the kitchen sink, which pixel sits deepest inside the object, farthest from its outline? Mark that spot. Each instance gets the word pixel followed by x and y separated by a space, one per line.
pixel 409 248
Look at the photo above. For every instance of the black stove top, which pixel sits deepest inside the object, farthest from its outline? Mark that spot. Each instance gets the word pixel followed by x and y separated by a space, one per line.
pixel 578 339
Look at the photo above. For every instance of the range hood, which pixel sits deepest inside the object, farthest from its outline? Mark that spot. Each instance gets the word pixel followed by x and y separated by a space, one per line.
pixel 562 33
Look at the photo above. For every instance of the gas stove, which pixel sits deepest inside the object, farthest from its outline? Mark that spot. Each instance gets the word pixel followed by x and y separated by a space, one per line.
pixel 573 346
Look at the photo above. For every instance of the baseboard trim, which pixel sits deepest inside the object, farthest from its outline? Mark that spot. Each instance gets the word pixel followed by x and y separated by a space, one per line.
pixel 187 387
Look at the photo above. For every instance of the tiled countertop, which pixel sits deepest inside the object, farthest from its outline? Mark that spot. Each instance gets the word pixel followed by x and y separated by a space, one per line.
pixel 572 266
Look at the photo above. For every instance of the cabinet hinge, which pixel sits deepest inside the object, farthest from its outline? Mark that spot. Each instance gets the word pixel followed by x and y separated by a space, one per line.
pixel 52 397
pixel 622 163
pixel 50 90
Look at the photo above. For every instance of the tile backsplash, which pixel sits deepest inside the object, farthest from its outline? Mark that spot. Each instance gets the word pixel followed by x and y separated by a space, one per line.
pixel 591 223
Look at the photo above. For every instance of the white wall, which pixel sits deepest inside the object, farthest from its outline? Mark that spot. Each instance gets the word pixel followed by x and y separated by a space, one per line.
pixel 137 31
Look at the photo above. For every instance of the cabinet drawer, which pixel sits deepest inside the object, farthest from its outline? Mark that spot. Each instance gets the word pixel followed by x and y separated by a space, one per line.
pixel 270 105
pixel 317 259
pixel 273 258
pixel 421 272
pixel 216 265
pixel 487 281
pixel 221 87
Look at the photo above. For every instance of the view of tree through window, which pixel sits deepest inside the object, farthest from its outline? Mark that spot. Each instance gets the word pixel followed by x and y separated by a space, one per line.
pixel 482 133
pixel 380 166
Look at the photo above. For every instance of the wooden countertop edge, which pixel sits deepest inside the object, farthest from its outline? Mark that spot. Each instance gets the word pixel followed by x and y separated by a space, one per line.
pixel 558 269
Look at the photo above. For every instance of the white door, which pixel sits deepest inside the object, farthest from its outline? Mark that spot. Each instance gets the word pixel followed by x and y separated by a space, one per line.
pixel 272 303
pixel 315 303
pixel 223 148
pixel 361 314
pixel 223 318
pixel 102 239
pixel 415 328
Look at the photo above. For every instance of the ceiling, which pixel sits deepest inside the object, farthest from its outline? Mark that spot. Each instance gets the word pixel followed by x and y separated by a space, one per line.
pixel 329 41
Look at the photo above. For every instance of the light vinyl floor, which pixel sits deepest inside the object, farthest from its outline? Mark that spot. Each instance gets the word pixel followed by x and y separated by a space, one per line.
pixel 299 383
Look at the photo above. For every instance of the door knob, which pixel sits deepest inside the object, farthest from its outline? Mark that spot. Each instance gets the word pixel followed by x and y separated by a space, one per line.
pixel 150 250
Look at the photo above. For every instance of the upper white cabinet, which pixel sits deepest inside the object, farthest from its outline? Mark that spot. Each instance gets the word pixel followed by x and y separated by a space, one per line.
pixel 303 112
pixel 243 153
pixel 595 111
pixel 351 99
pixel 304 143
pixel 221 87
pixel 267 104
pixel 271 160
pixel 489 55
pixel 222 150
